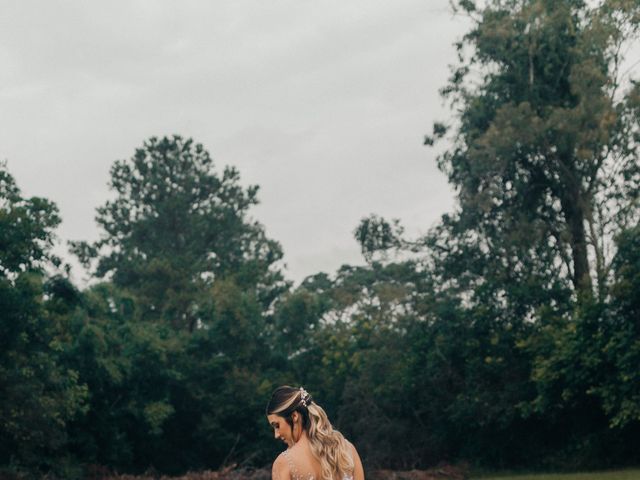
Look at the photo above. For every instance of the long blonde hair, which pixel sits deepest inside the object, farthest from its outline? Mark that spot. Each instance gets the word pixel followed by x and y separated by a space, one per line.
pixel 328 445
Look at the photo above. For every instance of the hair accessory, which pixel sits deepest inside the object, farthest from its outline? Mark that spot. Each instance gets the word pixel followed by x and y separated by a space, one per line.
pixel 304 396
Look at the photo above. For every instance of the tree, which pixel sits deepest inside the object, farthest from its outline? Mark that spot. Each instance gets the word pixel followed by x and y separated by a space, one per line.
pixel 621 393
pixel 26 229
pixel 130 368
pixel 544 158
pixel 585 368
pixel 545 162
pixel 39 394
pixel 175 228
pixel 176 332
pixel 546 145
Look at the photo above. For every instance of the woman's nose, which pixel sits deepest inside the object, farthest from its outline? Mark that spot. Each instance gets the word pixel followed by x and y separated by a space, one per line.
pixel 275 434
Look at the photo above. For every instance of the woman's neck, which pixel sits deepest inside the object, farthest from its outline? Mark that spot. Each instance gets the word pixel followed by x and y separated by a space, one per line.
pixel 302 438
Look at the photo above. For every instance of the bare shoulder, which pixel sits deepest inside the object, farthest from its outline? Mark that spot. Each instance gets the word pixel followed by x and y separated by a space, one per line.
pixel 358 471
pixel 280 468
pixel 352 449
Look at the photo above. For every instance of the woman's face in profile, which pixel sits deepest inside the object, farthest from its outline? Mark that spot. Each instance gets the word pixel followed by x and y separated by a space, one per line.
pixel 281 429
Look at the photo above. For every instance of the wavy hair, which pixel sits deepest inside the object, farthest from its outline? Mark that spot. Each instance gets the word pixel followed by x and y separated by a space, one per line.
pixel 328 445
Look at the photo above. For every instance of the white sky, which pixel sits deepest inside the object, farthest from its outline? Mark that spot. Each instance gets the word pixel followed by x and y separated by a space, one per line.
pixel 323 104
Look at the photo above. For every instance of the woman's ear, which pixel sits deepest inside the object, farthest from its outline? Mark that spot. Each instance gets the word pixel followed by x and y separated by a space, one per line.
pixel 294 417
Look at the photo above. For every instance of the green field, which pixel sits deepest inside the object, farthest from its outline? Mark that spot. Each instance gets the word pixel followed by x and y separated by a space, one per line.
pixel 610 475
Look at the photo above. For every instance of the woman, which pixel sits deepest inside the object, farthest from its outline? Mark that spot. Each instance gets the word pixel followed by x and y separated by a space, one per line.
pixel 315 451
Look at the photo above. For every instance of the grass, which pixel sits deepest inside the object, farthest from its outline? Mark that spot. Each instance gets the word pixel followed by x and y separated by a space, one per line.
pixel 608 475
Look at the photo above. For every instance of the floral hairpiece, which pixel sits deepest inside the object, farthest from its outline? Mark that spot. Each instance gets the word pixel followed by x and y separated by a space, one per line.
pixel 304 396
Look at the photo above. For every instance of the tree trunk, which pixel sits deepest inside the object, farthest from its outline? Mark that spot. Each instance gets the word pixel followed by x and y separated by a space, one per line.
pixel 573 209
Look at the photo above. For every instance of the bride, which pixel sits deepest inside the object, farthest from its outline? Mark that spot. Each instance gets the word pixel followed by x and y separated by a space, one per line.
pixel 315 451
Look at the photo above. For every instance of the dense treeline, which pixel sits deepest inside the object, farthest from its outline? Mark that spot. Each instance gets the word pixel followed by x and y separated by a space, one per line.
pixel 507 336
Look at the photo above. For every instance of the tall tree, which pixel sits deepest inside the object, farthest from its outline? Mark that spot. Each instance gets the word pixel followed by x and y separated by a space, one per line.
pixel 176 227
pixel 544 158
pixel 546 144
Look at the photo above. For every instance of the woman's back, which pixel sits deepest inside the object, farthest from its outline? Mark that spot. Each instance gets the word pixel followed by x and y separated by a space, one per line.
pixel 316 451
pixel 302 465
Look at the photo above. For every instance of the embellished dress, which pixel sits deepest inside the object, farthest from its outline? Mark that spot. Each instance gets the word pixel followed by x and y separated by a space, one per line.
pixel 303 472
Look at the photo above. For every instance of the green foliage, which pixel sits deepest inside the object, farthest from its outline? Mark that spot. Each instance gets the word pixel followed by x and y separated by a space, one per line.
pixel 39 394
pixel 376 235
pixel 179 333
pixel 129 367
pixel 605 342
pixel 543 142
pixel 26 228
pixel 175 227
pixel 521 329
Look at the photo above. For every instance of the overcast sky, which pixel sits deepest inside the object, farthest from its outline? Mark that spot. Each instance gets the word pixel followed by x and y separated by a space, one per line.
pixel 323 104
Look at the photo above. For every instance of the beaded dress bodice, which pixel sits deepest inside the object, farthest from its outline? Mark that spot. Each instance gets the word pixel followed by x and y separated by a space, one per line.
pixel 301 474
